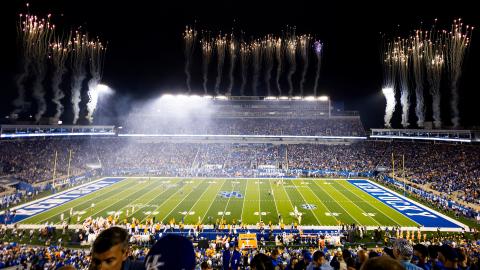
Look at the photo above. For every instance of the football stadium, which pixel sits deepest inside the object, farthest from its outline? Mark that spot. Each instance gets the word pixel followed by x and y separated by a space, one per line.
pixel 251 163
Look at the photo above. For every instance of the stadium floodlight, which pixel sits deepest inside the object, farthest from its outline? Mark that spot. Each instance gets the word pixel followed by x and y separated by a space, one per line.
pixel 59 122
pixel 309 98
pixel 323 98
pixel 271 98
pixel 104 89
pixel 296 98
pixel 221 97
pixel 167 96
pixel 207 97
pixel 283 98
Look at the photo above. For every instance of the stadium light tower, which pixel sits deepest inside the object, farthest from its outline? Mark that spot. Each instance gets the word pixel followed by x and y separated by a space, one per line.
pixel 323 98
pixel 104 89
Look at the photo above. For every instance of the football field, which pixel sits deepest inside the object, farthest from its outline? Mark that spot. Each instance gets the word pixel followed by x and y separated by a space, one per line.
pixel 320 202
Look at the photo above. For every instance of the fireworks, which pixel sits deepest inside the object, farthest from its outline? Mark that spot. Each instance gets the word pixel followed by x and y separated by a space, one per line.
pixel 35 35
pixel 291 55
pixel 457 42
pixel 59 50
pixel 207 48
pixel 255 49
pixel 220 44
pixel 79 73
pixel 244 60
pixel 232 53
pixel 434 61
pixel 389 83
pixel 189 37
pixel 40 43
pixel 260 54
pixel 96 53
pixel 304 46
pixel 402 61
pixel 427 53
pixel 318 49
pixel 279 56
pixel 268 51
pixel 418 73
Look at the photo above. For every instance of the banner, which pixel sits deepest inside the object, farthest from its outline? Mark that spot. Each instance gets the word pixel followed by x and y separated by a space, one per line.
pixel 247 240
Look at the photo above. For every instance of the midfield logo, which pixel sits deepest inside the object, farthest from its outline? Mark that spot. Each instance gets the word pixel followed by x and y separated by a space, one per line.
pixel 309 206
pixel 231 194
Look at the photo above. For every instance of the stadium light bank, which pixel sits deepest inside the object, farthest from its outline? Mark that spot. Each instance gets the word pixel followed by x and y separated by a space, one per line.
pixel 222 97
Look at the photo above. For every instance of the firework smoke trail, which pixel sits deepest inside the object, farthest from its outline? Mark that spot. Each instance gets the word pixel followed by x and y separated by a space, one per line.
pixel 25 35
pixel 255 48
pixel 389 94
pixel 189 37
pixel 304 42
pixel 34 35
pixel 418 73
pixel 96 53
pixel 291 50
pixel 244 61
pixel 388 89
pixel 268 53
pixel 317 47
pixel 457 44
pixel 206 57
pixel 279 56
pixel 232 53
pixel 79 53
pixel 41 43
pixel 402 63
pixel 434 61
pixel 220 44
pixel 60 51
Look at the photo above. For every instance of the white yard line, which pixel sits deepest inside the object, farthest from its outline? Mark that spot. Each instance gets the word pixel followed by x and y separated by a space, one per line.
pixel 208 210
pixel 259 199
pixel 140 208
pixel 244 199
pixel 305 201
pixel 228 202
pixel 78 203
pixel 126 190
pixel 173 208
pixel 339 204
pixel 273 195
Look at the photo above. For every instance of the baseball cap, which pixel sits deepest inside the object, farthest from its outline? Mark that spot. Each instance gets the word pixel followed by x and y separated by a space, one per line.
pixel 173 252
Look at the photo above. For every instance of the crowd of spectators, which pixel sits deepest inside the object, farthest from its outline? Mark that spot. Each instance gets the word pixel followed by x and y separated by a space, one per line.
pixel 339 126
pixel 453 170
pixel 447 251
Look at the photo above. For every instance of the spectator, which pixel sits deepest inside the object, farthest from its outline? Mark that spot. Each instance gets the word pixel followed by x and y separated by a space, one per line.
pixel 231 258
pixel 420 253
pixel 319 261
pixel 382 263
pixel 448 257
pixel 403 252
pixel 110 251
pixel 261 262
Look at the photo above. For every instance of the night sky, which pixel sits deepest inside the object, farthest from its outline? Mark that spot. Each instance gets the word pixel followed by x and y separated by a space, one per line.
pixel 145 50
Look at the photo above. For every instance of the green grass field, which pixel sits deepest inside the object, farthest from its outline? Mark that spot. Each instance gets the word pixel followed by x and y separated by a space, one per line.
pixel 321 202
